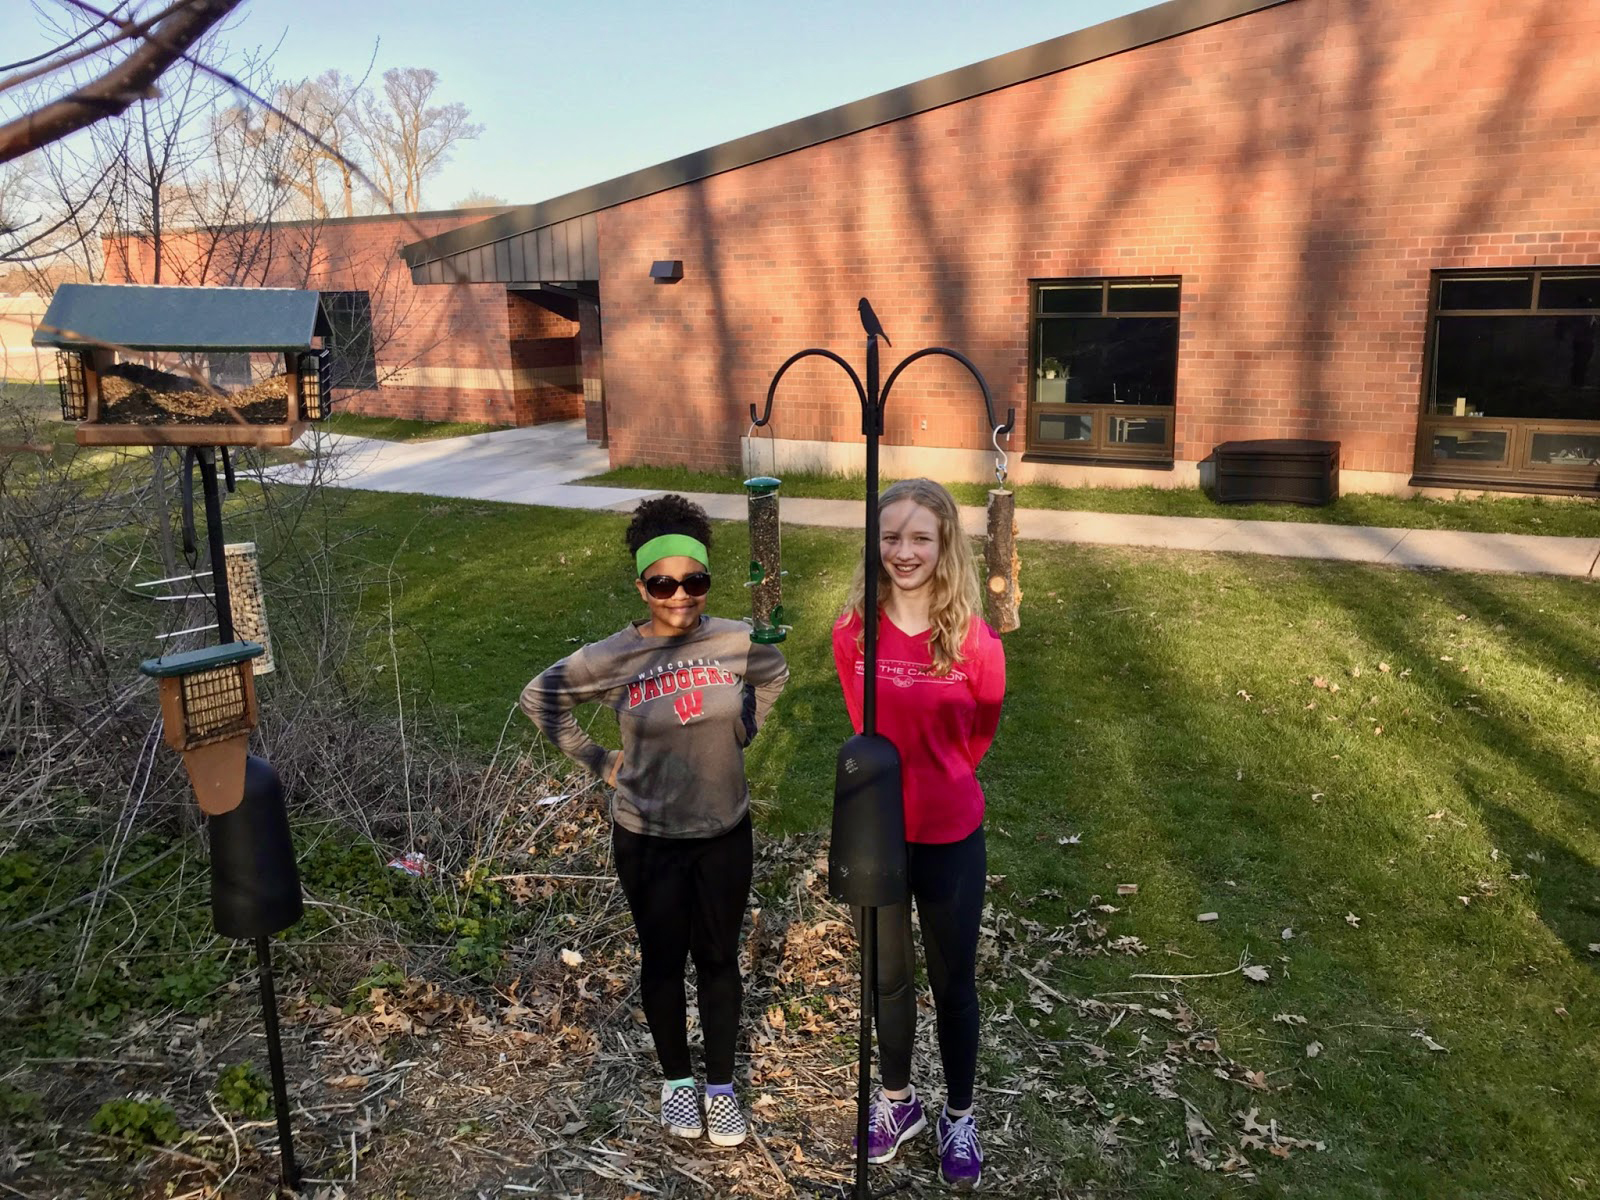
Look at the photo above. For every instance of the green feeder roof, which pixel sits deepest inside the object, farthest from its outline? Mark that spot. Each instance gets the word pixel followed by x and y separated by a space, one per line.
pixel 204 659
pixel 137 317
pixel 762 485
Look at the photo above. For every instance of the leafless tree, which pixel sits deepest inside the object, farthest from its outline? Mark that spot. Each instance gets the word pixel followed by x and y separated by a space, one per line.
pixel 407 137
pixel 480 199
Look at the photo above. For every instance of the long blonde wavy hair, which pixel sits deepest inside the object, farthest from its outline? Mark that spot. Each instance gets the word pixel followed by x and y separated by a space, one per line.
pixel 955 596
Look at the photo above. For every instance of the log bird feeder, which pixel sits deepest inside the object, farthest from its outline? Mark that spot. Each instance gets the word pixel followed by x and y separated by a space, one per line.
pixel 867 851
pixel 241 366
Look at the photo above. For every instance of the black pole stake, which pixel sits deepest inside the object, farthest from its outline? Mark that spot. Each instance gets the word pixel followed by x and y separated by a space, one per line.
pixel 871 879
pixel 280 1090
pixel 206 458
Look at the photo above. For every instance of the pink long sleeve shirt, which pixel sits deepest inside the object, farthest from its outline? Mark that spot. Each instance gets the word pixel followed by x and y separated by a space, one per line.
pixel 942 725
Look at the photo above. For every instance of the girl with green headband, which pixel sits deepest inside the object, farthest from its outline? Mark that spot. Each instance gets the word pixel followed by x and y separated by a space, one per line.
pixel 690 691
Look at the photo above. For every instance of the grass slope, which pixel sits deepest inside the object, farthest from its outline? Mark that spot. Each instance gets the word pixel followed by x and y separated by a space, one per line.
pixel 1397 766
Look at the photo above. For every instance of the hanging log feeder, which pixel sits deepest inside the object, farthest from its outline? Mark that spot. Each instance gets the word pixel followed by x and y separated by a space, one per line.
pixel 1002 591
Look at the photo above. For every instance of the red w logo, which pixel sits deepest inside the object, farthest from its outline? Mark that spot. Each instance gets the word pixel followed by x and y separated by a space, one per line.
pixel 688 705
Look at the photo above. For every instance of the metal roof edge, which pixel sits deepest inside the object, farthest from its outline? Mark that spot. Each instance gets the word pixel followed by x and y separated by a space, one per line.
pixel 1130 32
pixel 432 214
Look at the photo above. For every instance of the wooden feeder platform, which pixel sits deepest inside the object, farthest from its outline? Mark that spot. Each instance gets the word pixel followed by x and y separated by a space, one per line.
pixel 99 433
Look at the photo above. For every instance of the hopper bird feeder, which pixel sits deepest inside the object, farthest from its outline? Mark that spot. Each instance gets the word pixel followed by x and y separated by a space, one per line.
pixel 766 565
pixel 237 366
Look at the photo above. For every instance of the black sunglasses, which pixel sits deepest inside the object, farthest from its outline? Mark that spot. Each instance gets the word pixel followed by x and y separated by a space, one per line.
pixel 665 587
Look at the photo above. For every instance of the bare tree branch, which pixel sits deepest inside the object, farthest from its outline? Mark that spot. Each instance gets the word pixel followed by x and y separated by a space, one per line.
pixel 119 87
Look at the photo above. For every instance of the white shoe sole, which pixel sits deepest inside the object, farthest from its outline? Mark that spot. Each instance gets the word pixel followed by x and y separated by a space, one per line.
pixel 727 1139
pixel 687 1132
pixel 922 1123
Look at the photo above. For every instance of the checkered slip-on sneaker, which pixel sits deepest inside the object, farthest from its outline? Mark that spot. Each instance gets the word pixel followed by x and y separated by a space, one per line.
pixel 680 1111
pixel 725 1124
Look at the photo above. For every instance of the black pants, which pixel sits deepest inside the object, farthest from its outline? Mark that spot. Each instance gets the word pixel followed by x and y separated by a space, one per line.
pixel 947 885
pixel 688 897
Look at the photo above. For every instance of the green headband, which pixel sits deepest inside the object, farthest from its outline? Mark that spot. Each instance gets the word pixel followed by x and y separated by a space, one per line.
pixel 670 545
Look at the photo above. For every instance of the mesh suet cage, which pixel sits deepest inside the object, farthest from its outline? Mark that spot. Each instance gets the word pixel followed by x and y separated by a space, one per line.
pixel 72 377
pixel 315 385
pixel 208 708
pixel 766 566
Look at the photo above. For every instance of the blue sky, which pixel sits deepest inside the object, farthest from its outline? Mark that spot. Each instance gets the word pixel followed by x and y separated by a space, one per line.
pixel 574 93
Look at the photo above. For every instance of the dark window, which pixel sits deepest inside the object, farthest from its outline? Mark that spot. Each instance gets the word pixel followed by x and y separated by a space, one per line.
pixel 352 363
pixel 1513 384
pixel 1105 367
pixel 1484 292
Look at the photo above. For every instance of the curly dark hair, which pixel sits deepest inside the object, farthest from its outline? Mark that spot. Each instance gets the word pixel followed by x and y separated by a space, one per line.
pixel 667 514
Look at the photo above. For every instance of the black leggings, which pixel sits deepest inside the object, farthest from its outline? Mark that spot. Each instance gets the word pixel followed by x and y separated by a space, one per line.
pixel 688 897
pixel 947 884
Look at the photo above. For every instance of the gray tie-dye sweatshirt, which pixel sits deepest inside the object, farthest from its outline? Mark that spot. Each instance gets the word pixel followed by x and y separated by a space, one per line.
pixel 687 707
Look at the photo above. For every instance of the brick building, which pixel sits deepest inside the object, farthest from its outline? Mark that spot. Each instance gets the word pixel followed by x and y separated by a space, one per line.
pixel 1376 223
pixel 1212 219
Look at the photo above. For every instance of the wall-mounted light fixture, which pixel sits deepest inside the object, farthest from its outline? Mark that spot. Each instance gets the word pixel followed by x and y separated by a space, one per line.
pixel 667 270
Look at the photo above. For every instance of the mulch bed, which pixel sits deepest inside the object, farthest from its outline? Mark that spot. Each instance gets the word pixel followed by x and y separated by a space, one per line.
pixel 547 1084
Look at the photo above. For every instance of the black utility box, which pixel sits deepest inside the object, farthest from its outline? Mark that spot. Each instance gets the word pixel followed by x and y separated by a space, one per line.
pixel 1284 470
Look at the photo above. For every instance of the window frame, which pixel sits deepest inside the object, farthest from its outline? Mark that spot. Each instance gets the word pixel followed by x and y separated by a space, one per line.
pixel 362 374
pixel 1518 471
pixel 1099 449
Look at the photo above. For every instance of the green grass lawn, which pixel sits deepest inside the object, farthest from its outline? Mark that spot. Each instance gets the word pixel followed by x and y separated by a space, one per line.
pixel 396 429
pixel 1503 514
pixel 1397 767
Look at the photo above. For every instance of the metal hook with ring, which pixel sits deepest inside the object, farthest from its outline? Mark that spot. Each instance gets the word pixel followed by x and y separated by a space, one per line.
pixel 1001 460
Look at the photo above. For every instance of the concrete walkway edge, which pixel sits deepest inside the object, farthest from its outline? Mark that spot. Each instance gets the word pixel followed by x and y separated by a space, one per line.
pixel 538 464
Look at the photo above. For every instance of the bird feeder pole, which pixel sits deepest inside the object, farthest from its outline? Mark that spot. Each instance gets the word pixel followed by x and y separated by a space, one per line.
pixel 867 855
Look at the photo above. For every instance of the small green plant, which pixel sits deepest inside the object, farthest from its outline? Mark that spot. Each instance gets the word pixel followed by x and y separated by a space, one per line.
pixel 243 1091
pixel 1050 368
pixel 383 975
pixel 147 1122
pixel 17 1105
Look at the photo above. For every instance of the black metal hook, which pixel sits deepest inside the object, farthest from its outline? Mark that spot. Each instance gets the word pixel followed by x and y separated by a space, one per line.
pixel 983 384
pixel 861 392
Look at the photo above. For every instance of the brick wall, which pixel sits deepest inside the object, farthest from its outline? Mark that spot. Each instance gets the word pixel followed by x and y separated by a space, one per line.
pixel 1303 169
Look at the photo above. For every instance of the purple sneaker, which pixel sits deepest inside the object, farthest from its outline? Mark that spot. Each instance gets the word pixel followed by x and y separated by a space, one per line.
pixel 960 1156
pixel 891 1123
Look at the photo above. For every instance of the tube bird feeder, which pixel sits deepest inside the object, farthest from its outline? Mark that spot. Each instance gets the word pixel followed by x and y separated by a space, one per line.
pixel 766 565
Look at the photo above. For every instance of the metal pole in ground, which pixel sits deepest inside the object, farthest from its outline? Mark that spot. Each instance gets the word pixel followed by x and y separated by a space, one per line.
pixel 206 457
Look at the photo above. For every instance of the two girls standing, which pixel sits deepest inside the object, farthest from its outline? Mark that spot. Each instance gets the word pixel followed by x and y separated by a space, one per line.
pixel 681 825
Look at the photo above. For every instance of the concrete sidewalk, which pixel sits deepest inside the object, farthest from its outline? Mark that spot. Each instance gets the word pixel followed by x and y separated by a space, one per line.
pixel 537 465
